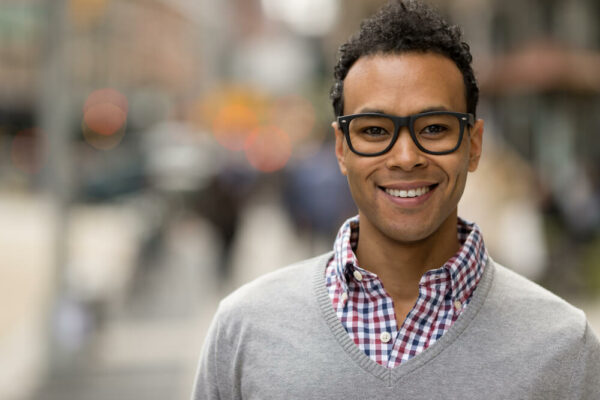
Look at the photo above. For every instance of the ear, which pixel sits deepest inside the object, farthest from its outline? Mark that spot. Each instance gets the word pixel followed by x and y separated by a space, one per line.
pixel 475 138
pixel 339 147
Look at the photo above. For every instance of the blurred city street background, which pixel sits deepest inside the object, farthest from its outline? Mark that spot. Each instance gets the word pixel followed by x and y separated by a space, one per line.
pixel 157 154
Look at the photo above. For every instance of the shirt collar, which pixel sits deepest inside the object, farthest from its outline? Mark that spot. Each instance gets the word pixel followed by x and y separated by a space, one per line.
pixel 464 268
pixel 344 246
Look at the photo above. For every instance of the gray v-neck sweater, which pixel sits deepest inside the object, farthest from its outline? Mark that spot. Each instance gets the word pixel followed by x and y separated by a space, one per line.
pixel 279 338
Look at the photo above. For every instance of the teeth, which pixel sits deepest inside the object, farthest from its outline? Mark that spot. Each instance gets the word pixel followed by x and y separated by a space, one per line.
pixel 408 193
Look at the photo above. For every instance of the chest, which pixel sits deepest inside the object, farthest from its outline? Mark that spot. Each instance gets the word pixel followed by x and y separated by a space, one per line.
pixel 317 361
pixel 402 309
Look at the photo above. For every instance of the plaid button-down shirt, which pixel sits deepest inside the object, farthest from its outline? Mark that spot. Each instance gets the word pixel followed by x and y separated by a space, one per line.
pixel 367 312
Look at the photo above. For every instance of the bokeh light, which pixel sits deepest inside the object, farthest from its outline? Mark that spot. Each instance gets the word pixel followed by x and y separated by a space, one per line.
pixel 268 148
pixel 306 17
pixel 266 127
pixel 229 114
pixel 104 118
pixel 232 125
pixel 106 95
pixel 86 12
pixel 28 151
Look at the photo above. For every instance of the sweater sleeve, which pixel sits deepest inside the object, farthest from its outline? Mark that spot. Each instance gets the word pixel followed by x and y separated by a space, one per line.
pixel 585 381
pixel 206 384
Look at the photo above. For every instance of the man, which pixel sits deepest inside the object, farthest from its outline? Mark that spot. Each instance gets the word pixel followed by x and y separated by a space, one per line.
pixel 409 304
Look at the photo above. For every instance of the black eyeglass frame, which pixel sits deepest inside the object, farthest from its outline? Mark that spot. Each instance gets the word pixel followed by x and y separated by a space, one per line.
pixel 408 121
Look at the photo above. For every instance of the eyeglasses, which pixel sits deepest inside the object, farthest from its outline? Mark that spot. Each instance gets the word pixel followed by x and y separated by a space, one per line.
pixel 434 132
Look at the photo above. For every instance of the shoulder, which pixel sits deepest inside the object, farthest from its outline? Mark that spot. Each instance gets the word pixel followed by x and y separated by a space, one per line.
pixel 519 302
pixel 290 286
pixel 531 317
pixel 520 291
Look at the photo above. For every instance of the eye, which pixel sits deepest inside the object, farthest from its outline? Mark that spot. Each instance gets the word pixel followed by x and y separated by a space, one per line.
pixel 374 131
pixel 434 130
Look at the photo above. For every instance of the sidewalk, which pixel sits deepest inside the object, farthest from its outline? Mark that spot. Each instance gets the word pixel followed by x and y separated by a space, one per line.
pixel 148 347
pixel 25 285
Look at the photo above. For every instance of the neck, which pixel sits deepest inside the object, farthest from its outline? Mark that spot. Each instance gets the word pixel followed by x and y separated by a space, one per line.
pixel 400 265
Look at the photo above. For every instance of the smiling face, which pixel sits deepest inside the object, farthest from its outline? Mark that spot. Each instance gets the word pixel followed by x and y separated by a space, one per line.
pixel 406 195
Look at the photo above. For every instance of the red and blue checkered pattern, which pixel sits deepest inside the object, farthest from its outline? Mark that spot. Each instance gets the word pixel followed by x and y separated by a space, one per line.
pixel 366 310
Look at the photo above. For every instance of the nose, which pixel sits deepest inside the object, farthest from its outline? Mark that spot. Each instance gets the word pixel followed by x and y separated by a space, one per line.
pixel 405 154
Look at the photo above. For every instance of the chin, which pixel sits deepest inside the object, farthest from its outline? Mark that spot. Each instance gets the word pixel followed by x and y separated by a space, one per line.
pixel 407 233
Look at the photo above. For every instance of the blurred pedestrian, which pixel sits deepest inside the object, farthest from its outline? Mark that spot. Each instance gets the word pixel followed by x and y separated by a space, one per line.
pixel 320 216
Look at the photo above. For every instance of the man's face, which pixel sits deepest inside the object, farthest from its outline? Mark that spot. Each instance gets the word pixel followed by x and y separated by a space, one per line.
pixel 406 84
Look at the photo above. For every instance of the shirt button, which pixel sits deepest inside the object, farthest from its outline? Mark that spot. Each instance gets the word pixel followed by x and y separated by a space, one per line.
pixel 457 305
pixel 344 297
pixel 357 275
pixel 385 337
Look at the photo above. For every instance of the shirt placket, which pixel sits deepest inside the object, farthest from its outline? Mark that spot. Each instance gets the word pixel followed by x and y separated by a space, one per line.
pixel 385 326
pixel 413 335
pixel 365 292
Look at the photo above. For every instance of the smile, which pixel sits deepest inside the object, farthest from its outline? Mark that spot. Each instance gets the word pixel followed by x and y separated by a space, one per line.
pixel 416 192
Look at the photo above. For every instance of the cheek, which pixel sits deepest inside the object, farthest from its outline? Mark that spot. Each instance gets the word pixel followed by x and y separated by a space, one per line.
pixel 354 181
pixel 457 173
pixel 358 173
pixel 460 177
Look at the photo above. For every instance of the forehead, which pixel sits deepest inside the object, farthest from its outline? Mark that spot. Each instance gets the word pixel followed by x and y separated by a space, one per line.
pixel 404 84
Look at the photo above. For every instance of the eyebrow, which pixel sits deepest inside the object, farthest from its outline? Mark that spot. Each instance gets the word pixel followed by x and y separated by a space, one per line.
pixel 379 111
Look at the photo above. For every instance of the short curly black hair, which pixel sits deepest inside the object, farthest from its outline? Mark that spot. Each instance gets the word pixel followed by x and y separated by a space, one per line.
pixel 405 26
